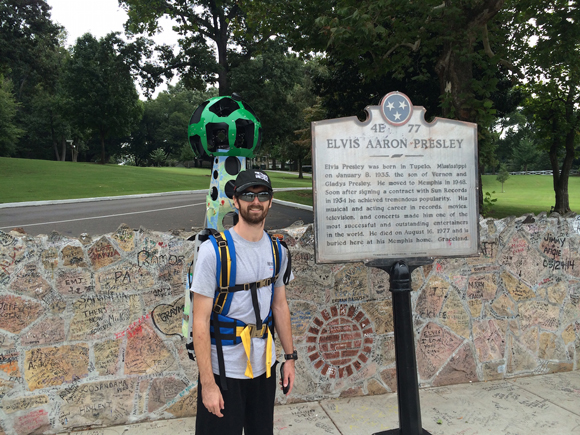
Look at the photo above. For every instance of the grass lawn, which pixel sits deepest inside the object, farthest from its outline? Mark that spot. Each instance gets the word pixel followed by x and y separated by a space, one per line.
pixel 39 180
pixel 527 194
pixel 522 194
pixel 299 196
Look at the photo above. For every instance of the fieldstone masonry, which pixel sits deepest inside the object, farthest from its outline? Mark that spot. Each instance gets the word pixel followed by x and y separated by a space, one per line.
pixel 90 327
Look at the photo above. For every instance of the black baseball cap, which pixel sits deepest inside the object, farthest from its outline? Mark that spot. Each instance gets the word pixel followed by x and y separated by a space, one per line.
pixel 249 178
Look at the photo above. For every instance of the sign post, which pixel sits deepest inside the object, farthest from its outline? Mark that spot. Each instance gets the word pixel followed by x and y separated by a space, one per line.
pixel 406 362
pixel 393 191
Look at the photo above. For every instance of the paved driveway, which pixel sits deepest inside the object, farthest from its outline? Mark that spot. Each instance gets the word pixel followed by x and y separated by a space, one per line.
pixel 162 213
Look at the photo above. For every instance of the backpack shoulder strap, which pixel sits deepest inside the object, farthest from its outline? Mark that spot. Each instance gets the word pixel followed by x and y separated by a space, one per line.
pixel 281 243
pixel 225 269
pixel 288 271
pixel 276 254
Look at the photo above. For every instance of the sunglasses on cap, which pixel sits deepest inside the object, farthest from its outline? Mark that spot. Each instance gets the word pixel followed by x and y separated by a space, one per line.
pixel 249 196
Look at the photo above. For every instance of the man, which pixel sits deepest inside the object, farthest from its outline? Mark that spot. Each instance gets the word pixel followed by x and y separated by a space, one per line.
pixel 244 396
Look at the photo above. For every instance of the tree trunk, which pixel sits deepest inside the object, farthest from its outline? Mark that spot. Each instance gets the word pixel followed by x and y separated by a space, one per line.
pixel 54 146
pixel 74 153
pixel 222 43
pixel 455 69
pixel 562 175
pixel 63 155
pixel 102 148
pixel 273 163
pixel 455 78
pixel 300 174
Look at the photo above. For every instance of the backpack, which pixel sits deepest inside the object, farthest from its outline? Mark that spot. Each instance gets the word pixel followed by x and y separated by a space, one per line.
pixel 224 330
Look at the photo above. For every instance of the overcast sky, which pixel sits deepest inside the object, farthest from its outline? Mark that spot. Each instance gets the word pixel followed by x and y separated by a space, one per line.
pixel 98 17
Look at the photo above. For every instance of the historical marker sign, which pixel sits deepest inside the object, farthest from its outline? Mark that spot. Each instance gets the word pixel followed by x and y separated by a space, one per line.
pixel 394 186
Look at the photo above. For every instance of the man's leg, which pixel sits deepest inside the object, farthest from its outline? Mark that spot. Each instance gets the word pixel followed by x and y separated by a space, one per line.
pixel 260 396
pixel 232 421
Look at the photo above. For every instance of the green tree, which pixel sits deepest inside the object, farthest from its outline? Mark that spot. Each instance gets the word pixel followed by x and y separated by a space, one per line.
pixel 517 145
pixel 30 55
pixel 186 154
pixel 9 132
pixel 546 42
pixel 197 22
pixel 164 123
pixel 27 37
pixel 103 98
pixel 47 116
pixel 266 82
pixel 303 148
pixel 503 175
pixel 527 155
pixel 158 156
pixel 459 45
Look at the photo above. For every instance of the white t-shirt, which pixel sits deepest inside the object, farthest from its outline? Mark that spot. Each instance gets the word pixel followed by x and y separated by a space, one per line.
pixel 254 262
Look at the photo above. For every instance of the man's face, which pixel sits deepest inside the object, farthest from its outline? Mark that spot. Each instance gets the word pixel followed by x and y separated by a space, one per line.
pixel 253 212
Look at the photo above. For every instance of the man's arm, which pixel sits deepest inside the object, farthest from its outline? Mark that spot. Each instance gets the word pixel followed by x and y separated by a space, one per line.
pixel 281 313
pixel 211 395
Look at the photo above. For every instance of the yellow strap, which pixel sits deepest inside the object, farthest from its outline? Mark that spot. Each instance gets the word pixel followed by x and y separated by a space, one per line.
pixel 244 334
pixel 269 354
pixel 247 341
pixel 228 261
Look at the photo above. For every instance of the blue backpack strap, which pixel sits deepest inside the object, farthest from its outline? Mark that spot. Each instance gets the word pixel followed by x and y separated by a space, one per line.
pixel 232 253
pixel 277 251
pixel 288 271
pixel 228 330
pixel 277 259
pixel 224 275
pixel 218 258
pixel 232 273
pixel 282 244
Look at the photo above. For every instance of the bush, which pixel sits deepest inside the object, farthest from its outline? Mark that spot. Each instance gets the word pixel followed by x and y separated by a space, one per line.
pixel 158 156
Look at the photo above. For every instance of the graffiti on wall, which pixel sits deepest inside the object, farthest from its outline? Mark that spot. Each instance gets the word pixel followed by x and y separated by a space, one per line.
pixel 89 330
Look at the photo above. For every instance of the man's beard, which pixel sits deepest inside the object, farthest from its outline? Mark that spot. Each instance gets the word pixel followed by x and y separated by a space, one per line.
pixel 254 218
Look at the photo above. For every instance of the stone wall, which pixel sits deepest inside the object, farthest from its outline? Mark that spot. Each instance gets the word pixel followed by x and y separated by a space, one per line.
pixel 89 327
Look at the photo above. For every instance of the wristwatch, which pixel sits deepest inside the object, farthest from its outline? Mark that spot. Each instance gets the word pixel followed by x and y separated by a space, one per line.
pixel 293 355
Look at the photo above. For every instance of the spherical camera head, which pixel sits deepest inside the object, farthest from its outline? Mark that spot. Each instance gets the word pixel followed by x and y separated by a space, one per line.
pixel 224 126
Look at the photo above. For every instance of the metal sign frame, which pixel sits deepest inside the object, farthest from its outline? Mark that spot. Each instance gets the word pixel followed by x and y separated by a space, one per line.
pixel 394 186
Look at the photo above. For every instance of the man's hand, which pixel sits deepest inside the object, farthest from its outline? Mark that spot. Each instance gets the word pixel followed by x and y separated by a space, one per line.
pixel 211 395
pixel 212 399
pixel 289 373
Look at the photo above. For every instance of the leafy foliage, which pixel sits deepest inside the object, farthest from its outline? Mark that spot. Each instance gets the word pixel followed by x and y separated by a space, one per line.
pixel 164 123
pixel 9 132
pixel 158 156
pixel 103 98
pixel 268 82
pixel 546 40
pixel 27 38
pixel 303 143
pixel 197 22
pixel 452 50
pixel 517 145
pixel 503 175
pixel 30 56
pixel 488 203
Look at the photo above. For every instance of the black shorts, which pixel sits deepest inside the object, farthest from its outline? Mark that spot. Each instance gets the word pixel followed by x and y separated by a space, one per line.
pixel 248 404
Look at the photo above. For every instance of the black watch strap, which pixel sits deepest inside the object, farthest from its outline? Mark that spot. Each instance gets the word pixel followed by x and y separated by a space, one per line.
pixel 293 355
